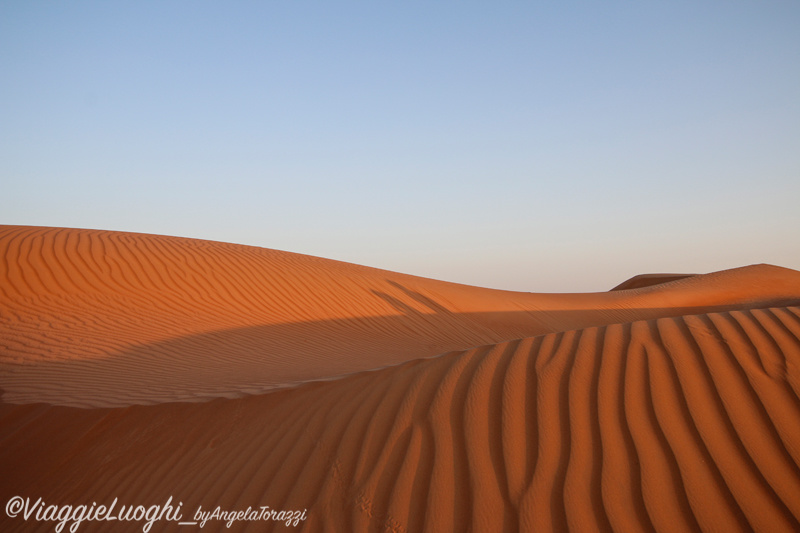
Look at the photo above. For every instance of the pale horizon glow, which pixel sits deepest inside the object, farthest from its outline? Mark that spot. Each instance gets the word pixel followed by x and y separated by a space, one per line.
pixel 542 148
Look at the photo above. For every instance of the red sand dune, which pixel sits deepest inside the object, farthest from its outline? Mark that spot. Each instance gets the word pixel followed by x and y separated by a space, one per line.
pixel 140 367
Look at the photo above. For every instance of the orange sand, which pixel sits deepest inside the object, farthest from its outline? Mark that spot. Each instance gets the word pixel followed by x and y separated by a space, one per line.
pixel 138 367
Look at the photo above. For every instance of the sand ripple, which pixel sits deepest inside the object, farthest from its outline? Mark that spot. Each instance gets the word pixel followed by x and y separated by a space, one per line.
pixel 671 407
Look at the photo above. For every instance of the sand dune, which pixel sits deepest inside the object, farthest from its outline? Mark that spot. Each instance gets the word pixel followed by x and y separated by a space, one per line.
pixel 647 280
pixel 93 318
pixel 668 407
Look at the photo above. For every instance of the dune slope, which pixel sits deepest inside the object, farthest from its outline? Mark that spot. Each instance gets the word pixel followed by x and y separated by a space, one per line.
pixel 675 424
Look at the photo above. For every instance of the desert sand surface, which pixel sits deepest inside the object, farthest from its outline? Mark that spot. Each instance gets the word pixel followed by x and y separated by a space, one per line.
pixel 140 367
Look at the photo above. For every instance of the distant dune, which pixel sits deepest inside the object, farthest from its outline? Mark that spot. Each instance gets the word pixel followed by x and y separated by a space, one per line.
pixel 646 280
pixel 140 367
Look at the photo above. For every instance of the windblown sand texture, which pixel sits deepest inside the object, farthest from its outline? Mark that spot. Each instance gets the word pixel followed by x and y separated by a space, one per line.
pixel 138 367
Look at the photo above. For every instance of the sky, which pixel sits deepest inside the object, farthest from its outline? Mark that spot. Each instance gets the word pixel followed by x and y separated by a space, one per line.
pixel 531 146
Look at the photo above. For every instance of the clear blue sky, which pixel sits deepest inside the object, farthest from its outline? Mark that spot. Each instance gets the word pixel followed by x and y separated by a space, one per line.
pixel 536 146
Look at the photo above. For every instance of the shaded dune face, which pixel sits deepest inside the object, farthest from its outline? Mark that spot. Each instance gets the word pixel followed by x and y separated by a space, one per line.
pixel 671 407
